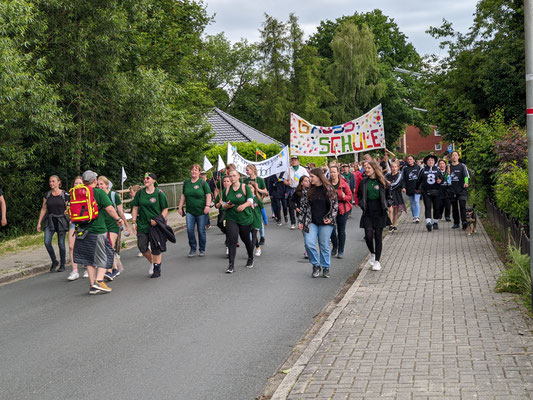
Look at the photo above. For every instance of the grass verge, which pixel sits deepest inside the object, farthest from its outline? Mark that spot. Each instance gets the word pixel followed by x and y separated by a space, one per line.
pixel 21 243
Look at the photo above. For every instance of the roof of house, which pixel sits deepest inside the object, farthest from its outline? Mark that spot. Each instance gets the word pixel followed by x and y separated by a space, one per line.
pixel 230 129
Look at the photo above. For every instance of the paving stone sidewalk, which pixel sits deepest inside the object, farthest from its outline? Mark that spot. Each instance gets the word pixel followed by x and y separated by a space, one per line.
pixel 427 326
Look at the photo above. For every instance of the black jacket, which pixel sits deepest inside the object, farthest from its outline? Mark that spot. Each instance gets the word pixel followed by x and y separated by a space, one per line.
pixel 160 233
pixel 384 195
pixel 276 189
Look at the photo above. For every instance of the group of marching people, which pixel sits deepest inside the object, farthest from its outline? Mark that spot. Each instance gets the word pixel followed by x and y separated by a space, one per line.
pixel 318 201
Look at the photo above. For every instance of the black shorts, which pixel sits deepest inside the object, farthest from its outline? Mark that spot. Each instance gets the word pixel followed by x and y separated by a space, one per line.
pixel 143 242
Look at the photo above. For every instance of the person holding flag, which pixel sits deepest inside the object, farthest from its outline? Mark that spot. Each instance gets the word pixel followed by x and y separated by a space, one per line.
pixel 295 173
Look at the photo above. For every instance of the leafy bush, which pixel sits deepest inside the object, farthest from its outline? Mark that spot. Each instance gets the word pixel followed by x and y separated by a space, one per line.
pixel 516 278
pixel 512 147
pixel 512 191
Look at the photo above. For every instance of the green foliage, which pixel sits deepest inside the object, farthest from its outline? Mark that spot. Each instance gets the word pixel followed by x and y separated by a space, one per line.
pixel 484 69
pixel 512 192
pixel 517 277
pixel 479 151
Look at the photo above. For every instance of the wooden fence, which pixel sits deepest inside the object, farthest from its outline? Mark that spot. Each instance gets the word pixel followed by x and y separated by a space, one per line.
pixel 514 232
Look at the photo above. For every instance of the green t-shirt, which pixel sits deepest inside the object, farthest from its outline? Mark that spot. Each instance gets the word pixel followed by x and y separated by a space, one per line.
pixel 195 196
pixel 258 217
pixel 98 225
pixel 150 206
pixel 238 197
pixel 110 222
pixel 260 184
pixel 372 192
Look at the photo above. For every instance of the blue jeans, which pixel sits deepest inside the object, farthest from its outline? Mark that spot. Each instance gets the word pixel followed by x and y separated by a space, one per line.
pixel 338 237
pixel 415 205
pixel 201 221
pixel 323 233
pixel 48 236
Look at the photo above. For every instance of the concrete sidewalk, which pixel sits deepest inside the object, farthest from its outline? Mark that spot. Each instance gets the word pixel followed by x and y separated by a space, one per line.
pixel 428 325
pixel 35 260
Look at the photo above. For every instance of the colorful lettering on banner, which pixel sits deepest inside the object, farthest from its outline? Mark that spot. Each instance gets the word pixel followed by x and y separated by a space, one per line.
pixel 361 134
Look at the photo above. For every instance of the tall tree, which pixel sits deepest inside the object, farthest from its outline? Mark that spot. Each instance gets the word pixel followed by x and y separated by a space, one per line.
pixel 354 73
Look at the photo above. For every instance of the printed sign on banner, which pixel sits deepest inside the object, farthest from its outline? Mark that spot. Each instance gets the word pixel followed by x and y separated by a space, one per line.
pixel 273 165
pixel 362 134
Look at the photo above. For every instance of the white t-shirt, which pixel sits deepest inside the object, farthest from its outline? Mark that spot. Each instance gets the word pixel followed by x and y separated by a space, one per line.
pixel 295 176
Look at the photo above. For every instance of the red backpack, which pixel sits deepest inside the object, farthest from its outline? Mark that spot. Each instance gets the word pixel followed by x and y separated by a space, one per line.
pixel 83 206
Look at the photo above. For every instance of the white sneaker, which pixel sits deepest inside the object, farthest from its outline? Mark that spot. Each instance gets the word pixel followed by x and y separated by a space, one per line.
pixel 73 276
pixel 293 227
pixel 258 251
pixel 151 270
pixel 372 259
pixel 376 266
pixel 85 274
pixel 140 254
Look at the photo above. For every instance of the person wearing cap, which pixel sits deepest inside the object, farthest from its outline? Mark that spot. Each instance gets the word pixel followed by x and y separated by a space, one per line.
pixel 196 198
pixel 93 248
pixel 148 203
pixel 294 174
pixel 428 184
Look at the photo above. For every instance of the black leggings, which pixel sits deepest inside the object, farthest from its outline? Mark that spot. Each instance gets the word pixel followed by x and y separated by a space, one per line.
pixel 255 240
pixel 220 220
pixel 374 235
pixel 459 206
pixel 430 201
pixel 233 231
pixel 277 205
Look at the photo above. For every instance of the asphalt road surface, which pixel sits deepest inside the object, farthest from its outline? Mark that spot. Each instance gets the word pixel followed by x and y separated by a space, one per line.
pixel 195 333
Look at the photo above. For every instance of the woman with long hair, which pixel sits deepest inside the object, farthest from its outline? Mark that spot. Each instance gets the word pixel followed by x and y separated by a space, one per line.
pixel 112 228
pixel 318 210
pixel 237 200
pixel 395 177
pixel 257 223
pixel 251 171
pixel 53 215
pixel 374 198
pixel 226 182
pixel 72 239
pixel 296 199
pixel 344 196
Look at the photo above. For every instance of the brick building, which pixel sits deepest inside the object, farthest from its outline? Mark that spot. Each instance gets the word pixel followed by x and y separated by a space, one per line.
pixel 412 142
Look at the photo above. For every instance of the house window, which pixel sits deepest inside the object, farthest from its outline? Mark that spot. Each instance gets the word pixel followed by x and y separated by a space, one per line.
pixel 438 147
pixel 436 133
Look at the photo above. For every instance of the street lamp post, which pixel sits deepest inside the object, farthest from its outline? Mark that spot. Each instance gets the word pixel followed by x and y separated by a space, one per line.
pixel 528 24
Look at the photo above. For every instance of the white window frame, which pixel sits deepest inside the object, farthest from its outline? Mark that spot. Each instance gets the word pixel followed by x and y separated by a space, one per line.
pixel 438 147
pixel 436 133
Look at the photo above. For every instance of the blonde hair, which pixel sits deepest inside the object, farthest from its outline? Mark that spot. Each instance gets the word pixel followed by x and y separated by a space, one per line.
pixel 104 179
pixel 253 168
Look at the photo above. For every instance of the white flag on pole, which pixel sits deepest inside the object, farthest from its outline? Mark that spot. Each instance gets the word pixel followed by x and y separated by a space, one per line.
pixel 124 176
pixel 221 164
pixel 207 164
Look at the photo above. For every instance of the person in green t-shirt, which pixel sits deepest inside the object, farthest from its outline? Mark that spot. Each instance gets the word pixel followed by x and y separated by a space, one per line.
pixel 251 171
pixel 257 223
pixel 237 200
pixel 92 248
pixel 112 229
pixel 196 198
pixel 148 203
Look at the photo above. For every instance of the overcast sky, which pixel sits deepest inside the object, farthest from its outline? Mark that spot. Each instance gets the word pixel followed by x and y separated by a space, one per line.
pixel 242 18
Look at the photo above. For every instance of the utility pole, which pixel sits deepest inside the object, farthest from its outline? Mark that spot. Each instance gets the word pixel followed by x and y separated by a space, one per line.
pixel 528 24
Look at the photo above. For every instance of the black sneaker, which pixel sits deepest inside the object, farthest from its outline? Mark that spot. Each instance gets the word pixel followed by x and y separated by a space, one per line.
pixel 157 271
pixel 391 228
pixel 448 219
pixel 325 273
pixel 54 266
pixel 230 270
pixel 250 263
pixel 316 271
pixel 455 226
pixel 429 226
pixel 61 268
pixel 94 291
pixel 435 226
pixel 333 252
pixel 262 241
pixel 286 219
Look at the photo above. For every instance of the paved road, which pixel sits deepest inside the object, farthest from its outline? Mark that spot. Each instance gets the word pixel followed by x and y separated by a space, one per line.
pixel 196 333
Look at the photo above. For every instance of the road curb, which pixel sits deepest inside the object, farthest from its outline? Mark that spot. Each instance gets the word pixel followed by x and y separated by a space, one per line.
pixel 33 270
pixel 290 379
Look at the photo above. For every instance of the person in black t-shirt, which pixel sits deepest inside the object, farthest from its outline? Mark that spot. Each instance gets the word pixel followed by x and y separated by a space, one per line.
pixel 428 184
pixel 3 209
pixel 460 179
pixel 55 221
